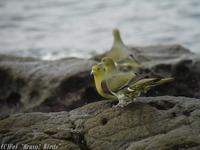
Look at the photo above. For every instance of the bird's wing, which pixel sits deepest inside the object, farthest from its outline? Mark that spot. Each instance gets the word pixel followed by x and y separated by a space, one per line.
pixel 161 81
pixel 146 84
pixel 117 81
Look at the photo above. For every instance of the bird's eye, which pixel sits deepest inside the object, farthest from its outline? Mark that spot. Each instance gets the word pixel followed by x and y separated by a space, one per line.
pixel 98 68
pixel 104 69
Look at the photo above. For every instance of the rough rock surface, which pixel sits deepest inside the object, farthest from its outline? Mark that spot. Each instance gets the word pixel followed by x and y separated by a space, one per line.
pixel 151 123
pixel 28 84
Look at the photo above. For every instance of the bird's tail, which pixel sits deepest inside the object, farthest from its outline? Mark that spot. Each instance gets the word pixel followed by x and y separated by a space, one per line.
pixel 162 81
pixel 146 84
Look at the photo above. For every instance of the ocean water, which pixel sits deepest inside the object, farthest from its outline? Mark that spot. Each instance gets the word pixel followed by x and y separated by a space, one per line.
pixel 52 29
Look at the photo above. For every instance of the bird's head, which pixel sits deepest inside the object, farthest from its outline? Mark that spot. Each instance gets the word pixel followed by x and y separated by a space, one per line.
pixel 109 63
pixel 97 70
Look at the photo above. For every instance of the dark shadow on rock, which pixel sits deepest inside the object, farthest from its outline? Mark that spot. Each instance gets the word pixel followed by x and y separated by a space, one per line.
pixel 34 85
pixel 186 79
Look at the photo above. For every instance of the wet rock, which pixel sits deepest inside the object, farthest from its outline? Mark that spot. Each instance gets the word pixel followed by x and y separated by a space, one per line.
pixel 29 84
pixel 167 123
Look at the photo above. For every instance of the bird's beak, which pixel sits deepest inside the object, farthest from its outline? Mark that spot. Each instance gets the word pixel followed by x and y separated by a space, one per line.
pixel 92 72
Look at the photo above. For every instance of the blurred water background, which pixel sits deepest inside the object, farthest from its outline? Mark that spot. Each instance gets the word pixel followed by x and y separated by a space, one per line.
pixel 52 29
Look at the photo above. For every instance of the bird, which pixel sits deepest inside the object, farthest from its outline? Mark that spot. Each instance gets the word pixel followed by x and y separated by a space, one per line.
pixel 133 84
pixel 120 53
pixel 113 84
pixel 109 64
pixel 98 71
pixel 106 85
pixel 111 67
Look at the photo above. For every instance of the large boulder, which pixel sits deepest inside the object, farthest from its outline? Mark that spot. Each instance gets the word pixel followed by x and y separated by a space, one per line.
pixel 165 122
pixel 150 123
pixel 28 84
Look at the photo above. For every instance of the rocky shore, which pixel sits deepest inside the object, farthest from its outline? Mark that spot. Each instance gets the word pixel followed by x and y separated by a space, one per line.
pixel 56 102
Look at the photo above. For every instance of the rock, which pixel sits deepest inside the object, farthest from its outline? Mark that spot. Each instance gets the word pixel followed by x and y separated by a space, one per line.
pixel 29 84
pixel 180 63
pixel 166 122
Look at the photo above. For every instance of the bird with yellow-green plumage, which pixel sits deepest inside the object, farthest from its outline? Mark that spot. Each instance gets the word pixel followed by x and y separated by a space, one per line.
pixel 124 86
pixel 124 57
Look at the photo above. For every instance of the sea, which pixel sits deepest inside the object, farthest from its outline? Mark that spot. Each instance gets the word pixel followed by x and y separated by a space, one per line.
pixel 54 29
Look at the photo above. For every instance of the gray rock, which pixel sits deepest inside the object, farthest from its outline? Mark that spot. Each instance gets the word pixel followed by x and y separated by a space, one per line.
pixel 29 84
pixel 167 123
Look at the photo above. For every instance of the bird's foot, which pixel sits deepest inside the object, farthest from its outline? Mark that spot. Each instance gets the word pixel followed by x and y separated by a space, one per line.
pixel 122 103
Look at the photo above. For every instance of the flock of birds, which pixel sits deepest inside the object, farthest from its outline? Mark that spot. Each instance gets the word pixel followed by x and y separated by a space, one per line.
pixel 119 75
